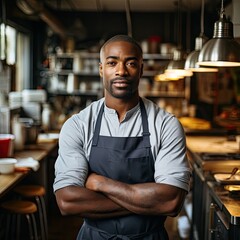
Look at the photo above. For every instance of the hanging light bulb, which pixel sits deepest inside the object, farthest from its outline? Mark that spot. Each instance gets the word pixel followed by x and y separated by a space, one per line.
pixel 175 68
pixel 222 50
pixel 192 58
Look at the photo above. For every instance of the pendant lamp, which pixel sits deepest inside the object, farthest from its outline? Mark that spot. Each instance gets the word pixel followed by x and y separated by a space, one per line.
pixel 175 68
pixel 192 58
pixel 222 50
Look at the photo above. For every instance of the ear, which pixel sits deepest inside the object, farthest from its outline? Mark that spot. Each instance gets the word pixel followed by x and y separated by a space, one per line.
pixel 100 69
pixel 141 73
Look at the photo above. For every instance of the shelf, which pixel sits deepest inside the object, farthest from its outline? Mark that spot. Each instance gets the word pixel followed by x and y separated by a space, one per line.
pixel 67 72
pixel 77 93
pixel 97 55
pixel 77 54
pixel 158 94
pixel 155 56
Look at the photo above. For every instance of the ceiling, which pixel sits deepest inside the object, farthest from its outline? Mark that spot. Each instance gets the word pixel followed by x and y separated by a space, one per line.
pixel 120 5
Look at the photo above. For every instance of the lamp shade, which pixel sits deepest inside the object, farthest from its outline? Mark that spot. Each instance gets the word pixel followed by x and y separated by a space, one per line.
pixel 191 62
pixel 176 66
pixel 222 50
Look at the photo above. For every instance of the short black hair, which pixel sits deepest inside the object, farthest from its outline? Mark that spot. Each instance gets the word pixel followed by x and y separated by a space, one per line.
pixel 124 38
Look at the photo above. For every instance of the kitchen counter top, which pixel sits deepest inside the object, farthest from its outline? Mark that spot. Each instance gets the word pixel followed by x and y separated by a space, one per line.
pixel 227 202
pixel 219 145
pixel 216 145
pixel 37 152
pixel 212 144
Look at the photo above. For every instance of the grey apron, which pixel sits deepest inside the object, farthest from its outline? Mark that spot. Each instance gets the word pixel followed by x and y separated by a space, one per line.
pixel 129 160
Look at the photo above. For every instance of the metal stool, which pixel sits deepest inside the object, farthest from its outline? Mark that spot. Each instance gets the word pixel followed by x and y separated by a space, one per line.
pixel 20 208
pixel 36 192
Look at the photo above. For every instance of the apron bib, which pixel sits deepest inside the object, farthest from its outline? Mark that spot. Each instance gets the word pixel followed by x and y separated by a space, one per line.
pixel 129 160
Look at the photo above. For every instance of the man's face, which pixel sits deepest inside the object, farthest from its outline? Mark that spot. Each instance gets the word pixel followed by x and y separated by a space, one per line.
pixel 121 69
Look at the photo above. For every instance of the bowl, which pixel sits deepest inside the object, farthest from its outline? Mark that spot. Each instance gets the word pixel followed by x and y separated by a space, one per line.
pixel 7 165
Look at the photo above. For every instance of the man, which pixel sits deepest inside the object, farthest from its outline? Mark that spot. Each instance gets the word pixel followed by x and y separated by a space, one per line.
pixel 122 161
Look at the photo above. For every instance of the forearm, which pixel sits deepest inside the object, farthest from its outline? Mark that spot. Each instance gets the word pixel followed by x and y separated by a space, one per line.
pixel 146 198
pixel 80 201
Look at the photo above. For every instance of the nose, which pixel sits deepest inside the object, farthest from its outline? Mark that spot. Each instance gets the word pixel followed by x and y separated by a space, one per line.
pixel 121 69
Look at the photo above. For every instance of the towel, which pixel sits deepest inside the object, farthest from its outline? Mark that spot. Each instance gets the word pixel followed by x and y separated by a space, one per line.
pixel 28 162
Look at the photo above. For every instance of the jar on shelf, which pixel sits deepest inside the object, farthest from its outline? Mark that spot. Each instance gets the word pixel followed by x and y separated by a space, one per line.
pixel 47 117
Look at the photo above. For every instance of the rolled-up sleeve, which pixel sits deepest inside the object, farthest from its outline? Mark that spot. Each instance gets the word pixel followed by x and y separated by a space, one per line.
pixel 171 164
pixel 71 166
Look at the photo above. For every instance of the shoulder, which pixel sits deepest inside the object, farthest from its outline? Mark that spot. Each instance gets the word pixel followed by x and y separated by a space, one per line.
pixel 82 121
pixel 87 114
pixel 154 111
pixel 160 118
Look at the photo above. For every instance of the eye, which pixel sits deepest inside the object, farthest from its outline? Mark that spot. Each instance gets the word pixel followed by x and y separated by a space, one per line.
pixel 132 64
pixel 111 63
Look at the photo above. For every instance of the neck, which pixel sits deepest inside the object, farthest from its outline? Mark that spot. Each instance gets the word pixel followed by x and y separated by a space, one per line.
pixel 121 105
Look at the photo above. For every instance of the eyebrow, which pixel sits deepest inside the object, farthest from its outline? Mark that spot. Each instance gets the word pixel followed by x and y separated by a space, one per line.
pixel 128 58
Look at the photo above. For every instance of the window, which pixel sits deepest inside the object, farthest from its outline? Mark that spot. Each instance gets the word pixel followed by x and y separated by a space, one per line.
pixel 15 49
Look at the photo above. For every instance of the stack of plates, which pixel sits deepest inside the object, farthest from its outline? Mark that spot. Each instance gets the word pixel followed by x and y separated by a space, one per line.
pixel 15 99
pixel 31 95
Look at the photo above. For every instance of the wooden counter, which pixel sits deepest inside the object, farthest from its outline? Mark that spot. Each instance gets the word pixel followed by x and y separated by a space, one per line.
pixel 213 144
pixel 37 152
pixel 207 191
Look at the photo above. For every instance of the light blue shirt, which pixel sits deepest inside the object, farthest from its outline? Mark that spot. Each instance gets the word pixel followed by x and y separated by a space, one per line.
pixel 167 140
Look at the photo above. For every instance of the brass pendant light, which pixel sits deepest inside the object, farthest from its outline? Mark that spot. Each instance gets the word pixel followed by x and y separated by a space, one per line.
pixel 222 50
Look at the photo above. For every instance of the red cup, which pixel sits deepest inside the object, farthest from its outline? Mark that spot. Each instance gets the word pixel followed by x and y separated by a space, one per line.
pixel 4 147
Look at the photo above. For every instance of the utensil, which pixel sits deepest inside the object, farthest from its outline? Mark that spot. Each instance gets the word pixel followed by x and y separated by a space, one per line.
pixel 232 188
pixel 232 173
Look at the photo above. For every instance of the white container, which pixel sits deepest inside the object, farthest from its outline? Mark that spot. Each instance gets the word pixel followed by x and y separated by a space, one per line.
pixel 7 165
pixel 34 95
pixel 19 133
pixel 47 117
pixel 184 227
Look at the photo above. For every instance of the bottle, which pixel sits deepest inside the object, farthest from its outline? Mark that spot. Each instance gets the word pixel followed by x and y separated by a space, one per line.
pixel 19 134
pixel 47 115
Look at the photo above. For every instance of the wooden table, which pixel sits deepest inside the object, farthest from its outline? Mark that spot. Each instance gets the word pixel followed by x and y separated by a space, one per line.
pixel 37 152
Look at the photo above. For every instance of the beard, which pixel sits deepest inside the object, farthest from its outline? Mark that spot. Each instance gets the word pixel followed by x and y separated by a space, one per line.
pixel 127 91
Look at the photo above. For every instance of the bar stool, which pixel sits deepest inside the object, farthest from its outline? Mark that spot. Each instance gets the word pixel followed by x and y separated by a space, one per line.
pixel 36 192
pixel 20 208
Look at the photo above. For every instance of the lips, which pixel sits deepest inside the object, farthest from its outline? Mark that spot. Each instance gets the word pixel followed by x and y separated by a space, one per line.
pixel 120 83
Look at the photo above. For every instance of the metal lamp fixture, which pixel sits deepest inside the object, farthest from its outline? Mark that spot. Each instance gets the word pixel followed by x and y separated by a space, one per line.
pixel 176 66
pixel 175 69
pixel 192 58
pixel 222 50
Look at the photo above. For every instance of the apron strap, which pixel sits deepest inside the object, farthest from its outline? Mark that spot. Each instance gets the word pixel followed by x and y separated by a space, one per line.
pixel 98 126
pixel 145 132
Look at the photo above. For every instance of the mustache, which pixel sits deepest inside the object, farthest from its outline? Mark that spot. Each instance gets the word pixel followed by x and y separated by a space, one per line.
pixel 120 79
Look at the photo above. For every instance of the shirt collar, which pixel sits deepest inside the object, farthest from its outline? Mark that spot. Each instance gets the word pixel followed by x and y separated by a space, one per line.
pixel 129 113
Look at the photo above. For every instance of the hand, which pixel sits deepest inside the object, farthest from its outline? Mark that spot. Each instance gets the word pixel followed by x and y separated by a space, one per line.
pixel 93 181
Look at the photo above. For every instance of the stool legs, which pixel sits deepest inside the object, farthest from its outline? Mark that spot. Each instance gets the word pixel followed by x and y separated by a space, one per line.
pixel 32 226
pixel 42 216
pixel 37 193
pixel 16 209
